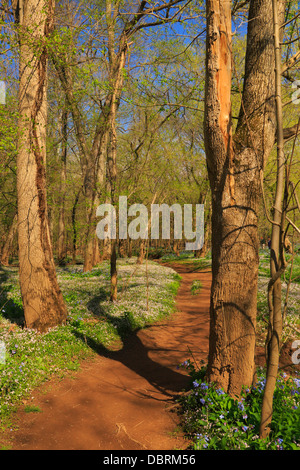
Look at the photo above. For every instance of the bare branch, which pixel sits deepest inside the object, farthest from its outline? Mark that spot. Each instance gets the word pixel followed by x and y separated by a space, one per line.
pixel 290 132
pixel 290 42
pixel 293 225
pixel 295 194
pixel 289 21
pixel 133 26
pixel 291 62
pixel 238 6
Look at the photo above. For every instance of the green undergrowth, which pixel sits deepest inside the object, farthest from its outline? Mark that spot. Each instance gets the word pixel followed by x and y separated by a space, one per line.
pixel 213 420
pixel 94 325
pixel 196 287
pixel 188 258
pixel 292 270
pixel 290 298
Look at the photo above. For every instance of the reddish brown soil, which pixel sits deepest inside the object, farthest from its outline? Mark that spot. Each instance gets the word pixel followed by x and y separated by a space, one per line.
pixel 123 399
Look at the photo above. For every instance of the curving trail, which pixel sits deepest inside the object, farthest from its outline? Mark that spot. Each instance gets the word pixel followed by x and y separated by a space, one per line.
pixel 122 400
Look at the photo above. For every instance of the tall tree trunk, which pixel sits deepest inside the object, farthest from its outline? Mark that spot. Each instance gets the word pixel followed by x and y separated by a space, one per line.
pixel 93 187
pixel 276 259
pixel 74 227
pixel 235 165
pixel 116 66
pixel 112 165
pixel 42 299
pixel 90 237
pixel 61 242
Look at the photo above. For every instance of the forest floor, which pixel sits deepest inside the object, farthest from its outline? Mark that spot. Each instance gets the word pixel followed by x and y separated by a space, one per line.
pixel 123 400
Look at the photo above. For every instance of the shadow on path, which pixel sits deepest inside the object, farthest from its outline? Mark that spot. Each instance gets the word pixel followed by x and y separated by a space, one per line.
pixel 138 345
pixel 122 399
pixel 134 354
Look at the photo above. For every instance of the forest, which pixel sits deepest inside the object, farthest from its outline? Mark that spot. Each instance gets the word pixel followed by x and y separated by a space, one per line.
pixel 150 224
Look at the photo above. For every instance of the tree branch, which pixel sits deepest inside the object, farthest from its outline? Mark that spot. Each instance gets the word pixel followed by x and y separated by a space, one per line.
pixel 290 132
pixel 291 62
pixel 132 26
pixel 293 225
pixel 289 21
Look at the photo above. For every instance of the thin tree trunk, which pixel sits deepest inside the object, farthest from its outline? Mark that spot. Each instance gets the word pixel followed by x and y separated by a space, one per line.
pixel 141 256
pixel 276 261
pixel 42 299
pixel 112 164
pixel 129 248
pixel 74 238
pixel 92 192
pixel 116 65
pixel 61 242
pixel 90 237
pixel 175 247
pixel 107 241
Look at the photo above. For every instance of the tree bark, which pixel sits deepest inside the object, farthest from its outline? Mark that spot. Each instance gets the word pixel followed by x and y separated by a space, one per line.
pixel 235 164
pixel 61 242
pixel 141 256
pixel 116 66
pixel 112 172
pixel 42 299
pixel 93 184
pixel 112 166
pixel 276 258
pixel 74 227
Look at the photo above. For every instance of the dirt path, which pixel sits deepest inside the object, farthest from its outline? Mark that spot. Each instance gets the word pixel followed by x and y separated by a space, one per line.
pixel 120 401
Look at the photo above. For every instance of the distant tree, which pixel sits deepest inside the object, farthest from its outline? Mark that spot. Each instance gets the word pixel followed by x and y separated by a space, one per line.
pixel 61 236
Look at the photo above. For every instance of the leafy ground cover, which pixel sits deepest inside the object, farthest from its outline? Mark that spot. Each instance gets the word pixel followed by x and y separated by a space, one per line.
pixel 187 258
pixel 214 420
pixel 196 287
pixel 210 418
pixel 290 293
pixel 290 298
pixel 146 295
